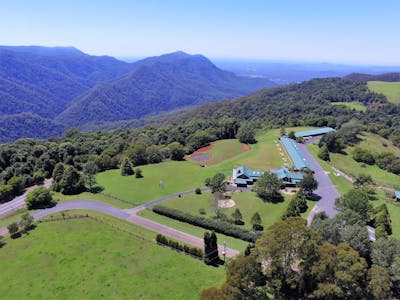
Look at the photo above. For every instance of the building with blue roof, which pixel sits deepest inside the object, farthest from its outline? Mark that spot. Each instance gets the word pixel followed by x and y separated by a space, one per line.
pixel 397 195
pixel 313 132
pixel 243 177
pixel 296 156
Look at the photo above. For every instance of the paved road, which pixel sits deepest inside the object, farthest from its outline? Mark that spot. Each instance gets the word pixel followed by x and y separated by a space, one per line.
pixel 18 202
pixel 133 218
pixel 326 191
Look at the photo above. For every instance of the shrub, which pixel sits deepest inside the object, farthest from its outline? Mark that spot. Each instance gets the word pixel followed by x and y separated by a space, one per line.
pixel 202 211
pixel 163 240
pixel 13 229
pixel 39 198
pixel 210 224
pixel 138 173
pixel 198 191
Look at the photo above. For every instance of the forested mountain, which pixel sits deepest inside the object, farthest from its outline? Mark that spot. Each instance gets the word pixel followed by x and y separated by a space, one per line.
pixel 45 80
pixel 158 84
pixel 388 77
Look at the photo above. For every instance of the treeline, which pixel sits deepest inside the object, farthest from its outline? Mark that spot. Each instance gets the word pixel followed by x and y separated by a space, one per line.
pixel 385 160
pixel 163 240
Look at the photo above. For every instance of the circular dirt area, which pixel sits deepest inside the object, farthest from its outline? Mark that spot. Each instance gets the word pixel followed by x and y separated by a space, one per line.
pixel 201 157
pixel 226 203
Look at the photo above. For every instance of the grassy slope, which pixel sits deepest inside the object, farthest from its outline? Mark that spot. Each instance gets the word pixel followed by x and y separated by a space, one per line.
pixel 344 186
pixel 347 164
pixel 222 150
pixel 85 259
pixel 352 105
pixel 390 89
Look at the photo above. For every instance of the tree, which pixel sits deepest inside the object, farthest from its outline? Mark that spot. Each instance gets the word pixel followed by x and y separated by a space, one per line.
pixel 39 198
pixel 268 186
pixel 176 150
pixel 237 217
pixel 308 184
pixel 357 237
pixel 297 205
pixel 153 154
pixel 256 221
pixel 5 193
pixel 89 173
pixel 338 273
pixel 334 141
pixel 137 154
pixel 38 178
pixel 246 134
pixel 126 169
pixel 283 245
pixel 2 242
pixel 291 135
pixel 379 285
pixel 13 229
pixel 323 153
pixel 211 249
pixel 358 201
pixel 363 155
pixel 17 185
pixel 71 182
pixel 217 183
pixel 207 181
pixel 26 222
pixel 363 179
pixel 138 173
pixel 58 173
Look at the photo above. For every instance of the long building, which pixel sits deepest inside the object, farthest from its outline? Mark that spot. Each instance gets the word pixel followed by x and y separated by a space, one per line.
pixel 313 132
pixel 299 161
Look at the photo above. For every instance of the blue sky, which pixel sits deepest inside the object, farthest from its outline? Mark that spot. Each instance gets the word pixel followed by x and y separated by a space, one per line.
pixel 349 31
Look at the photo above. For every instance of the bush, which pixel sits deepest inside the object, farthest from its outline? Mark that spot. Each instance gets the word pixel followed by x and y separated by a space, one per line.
pixel 198 191
pixel 138 173
pixel 202 211
pixel 13 229
pixel 161 239
pixel 210 224
pixel 39 198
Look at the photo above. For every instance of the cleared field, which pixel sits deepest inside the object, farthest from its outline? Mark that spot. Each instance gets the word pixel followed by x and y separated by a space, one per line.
pixel 247 202
pixel 390 89
pixel 218 152
pixel 86 259
pixel 351 105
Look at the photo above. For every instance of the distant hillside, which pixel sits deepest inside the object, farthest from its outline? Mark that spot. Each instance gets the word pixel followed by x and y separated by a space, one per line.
pixel 390 89
pixel 13 127
pixel 158 84
pixel 388 77
pixel 45 80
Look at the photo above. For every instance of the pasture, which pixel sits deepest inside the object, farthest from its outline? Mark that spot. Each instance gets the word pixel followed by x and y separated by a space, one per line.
pixel 87 259
pixel 351 105
pixel 390 89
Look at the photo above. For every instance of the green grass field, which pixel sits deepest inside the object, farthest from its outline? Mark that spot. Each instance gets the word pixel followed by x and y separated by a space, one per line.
pixel 351 105
pixel 221 151
pixel 347 164
pixel 390 89
pixel 86 259
pixel 184 175
pixel 247 202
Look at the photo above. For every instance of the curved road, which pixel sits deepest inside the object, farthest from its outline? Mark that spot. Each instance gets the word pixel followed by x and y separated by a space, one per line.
pixel 130 217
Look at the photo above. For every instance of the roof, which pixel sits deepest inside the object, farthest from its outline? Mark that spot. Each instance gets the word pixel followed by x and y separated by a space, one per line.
pixel 297 157
pixel 284 172
pixel 397 194
pixel 317 131
pixel 240 181
pixel 249 173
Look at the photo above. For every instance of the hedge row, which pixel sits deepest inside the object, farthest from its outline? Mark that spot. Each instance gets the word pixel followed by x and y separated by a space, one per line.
pixel 197 252
pixel 210 224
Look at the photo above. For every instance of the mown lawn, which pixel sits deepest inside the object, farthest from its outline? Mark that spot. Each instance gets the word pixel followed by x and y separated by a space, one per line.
pixel 86 259
pixel 390 89
pixel 247 202
pixel 351 105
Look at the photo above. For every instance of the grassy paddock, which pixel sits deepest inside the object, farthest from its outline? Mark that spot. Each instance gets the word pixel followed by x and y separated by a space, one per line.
pixel 351 105
pixel 87 259
pixel 390 89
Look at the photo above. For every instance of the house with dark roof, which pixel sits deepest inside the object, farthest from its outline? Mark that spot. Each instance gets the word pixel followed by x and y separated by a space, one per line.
pixel 243 177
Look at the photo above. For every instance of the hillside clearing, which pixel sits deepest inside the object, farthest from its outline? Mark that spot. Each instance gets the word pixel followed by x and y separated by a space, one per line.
pixel 351 105
pixel 390 89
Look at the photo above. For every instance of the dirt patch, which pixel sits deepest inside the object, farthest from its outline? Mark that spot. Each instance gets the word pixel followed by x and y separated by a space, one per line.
pixel 226 203
pixel 201 157
pixel 245 148
pixel 290 191
pixel 204 149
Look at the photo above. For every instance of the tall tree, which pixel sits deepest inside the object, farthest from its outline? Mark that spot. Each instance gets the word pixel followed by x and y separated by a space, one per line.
pixel 72 182
pixel 308 184
pixel 39 198
pixel 126 168
pixel 246 134
pixel 358 201
pixel 217 183
pixel 89 173
pixel 211 248
pixel 268 186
